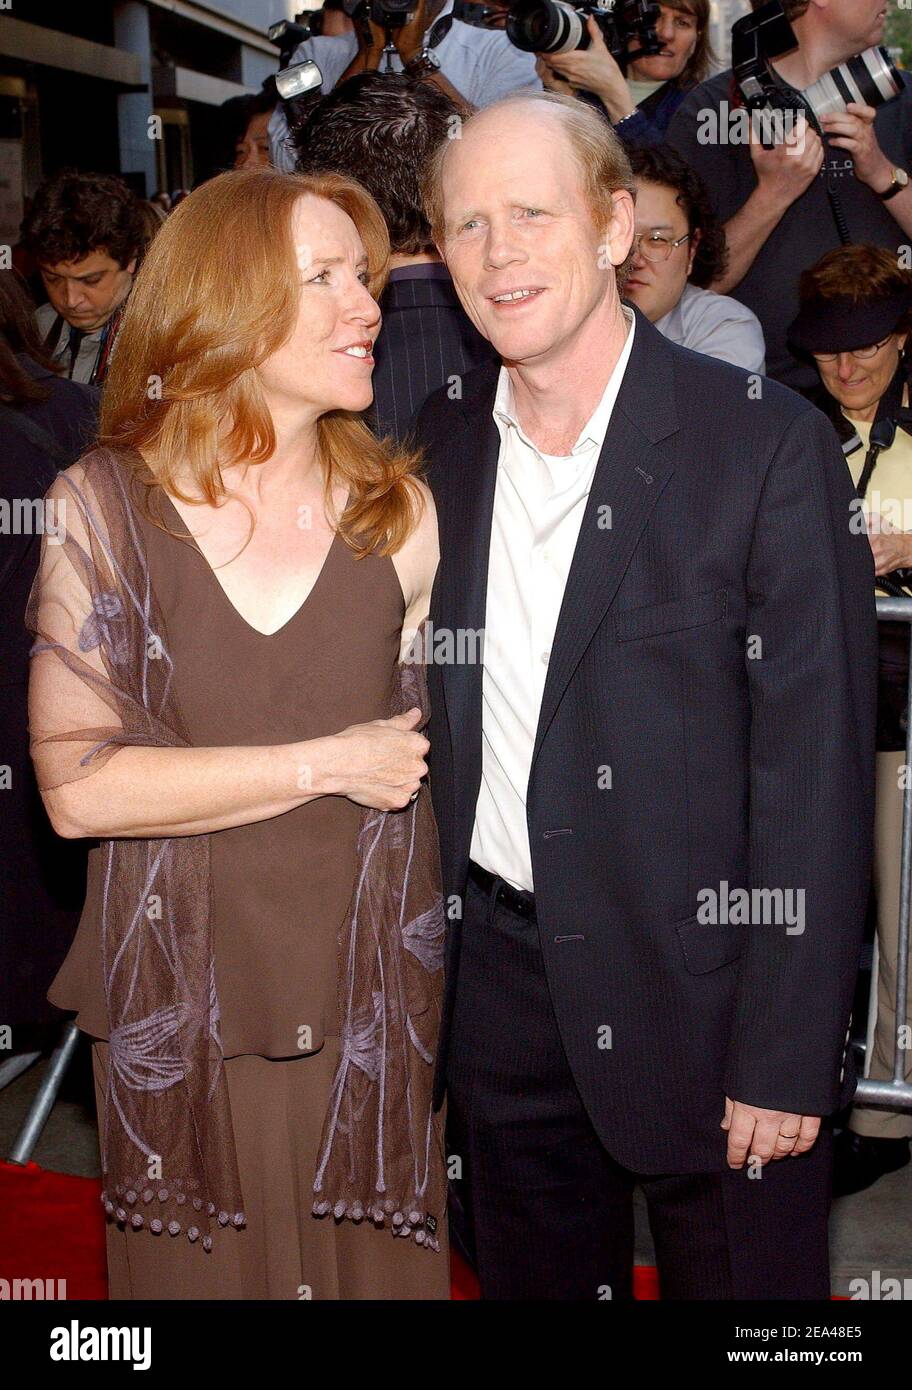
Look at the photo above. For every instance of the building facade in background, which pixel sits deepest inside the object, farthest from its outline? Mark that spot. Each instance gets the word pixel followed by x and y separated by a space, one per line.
pixel 129 87
pixel 724 14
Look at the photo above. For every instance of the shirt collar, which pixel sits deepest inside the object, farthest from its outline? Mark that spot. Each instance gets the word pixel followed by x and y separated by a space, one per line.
pixel 596 427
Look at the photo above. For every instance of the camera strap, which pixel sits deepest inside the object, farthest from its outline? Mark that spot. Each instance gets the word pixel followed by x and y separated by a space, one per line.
pixel 891 415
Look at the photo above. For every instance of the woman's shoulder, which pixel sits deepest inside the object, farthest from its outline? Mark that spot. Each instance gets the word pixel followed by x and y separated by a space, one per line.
pixel 103 475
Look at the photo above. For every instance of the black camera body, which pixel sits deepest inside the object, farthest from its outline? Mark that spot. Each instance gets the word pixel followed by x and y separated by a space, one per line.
pixel 559 26
pixel 388 14
pixel 870 77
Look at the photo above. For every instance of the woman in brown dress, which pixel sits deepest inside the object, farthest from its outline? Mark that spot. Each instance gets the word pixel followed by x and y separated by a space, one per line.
pixel 221 650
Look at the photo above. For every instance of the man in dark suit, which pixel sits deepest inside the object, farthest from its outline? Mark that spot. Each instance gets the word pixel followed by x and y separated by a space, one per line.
pixel 380 129
pixel 655 794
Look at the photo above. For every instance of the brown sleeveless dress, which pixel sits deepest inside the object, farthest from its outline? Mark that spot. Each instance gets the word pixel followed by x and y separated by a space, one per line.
pixel 280 889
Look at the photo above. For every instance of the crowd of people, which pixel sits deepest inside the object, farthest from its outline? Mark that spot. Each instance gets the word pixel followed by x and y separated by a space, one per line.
pixel 383 380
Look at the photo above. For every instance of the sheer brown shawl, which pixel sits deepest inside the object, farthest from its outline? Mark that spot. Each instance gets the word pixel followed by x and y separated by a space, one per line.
pixel 168 1153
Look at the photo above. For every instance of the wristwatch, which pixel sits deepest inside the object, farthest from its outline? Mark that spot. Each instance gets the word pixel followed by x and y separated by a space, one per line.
pixel 900 181
pixel 424 64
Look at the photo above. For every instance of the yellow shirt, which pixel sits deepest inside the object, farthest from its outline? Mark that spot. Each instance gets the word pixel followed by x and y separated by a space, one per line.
pixel 889 491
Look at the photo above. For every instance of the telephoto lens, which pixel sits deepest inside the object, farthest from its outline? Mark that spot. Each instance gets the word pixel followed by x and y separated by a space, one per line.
pixel 547 26
pixel 870 78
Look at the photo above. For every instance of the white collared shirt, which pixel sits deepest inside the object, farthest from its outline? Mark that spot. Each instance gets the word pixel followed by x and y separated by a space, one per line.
pixel 539 501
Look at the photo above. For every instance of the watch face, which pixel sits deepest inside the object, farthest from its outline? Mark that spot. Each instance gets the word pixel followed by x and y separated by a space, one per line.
pixel 901 177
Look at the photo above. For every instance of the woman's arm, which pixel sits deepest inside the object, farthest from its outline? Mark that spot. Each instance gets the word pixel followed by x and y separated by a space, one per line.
pixel 416 565
pixel 160 792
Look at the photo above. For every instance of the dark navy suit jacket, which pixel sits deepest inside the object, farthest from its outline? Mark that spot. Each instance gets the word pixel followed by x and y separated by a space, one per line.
pixel 716 650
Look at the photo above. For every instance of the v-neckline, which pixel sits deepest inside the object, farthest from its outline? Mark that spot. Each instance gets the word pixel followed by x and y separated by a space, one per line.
pixel 258 632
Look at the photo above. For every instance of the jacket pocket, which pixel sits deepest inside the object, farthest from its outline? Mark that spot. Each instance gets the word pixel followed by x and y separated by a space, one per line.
pixel 707 945
pixel 674 616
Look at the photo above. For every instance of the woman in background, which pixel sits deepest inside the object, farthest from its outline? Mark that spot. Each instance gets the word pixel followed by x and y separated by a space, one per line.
pixel 641 101
pixel 855 321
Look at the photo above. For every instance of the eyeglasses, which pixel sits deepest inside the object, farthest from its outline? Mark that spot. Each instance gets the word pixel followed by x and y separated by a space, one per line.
pixel 863 354
pixel 653 247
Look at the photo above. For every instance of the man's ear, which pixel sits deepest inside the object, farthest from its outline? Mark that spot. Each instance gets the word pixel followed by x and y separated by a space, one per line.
pixel 131 267
pixel 618 232
pixel 695 239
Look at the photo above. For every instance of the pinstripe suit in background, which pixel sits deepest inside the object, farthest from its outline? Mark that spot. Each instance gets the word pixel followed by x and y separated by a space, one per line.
pixel 426 339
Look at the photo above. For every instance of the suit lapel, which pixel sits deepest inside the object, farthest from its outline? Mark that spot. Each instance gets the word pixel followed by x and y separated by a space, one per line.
pixel 465 544
pixel 629 478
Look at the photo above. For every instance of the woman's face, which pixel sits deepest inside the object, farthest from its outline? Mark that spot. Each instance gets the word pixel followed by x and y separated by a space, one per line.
pixel 328 360
pixel 677 32
pixel 859 383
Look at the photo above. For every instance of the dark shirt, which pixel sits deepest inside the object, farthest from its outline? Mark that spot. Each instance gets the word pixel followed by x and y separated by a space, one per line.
pixel 426 341
pixel 806 230
pixel 69 415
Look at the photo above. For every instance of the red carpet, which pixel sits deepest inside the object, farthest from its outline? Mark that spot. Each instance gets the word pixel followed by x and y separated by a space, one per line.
pixel 52 1227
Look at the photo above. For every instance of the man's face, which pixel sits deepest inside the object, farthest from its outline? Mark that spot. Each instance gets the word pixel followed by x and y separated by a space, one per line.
pixel 655 286
pixel 516 219
pixel 856 24
pixel 87 292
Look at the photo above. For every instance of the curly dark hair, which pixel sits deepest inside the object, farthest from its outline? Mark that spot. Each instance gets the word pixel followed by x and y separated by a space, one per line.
pixel 381 129
pixel 662 165
pixel 74 214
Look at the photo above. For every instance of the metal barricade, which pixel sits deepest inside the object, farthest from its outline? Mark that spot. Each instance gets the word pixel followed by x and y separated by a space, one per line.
pixel 897 1094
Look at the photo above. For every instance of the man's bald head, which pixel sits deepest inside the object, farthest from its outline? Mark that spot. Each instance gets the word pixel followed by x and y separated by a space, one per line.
pixel 566 127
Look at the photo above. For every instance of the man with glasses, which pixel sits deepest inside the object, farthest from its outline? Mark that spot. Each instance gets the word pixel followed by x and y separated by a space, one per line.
pixel 679 248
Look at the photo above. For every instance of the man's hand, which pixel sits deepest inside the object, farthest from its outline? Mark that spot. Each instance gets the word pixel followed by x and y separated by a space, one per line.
pixel 854 131
pixel 766 1134
pixel 790 167
pixel 409 38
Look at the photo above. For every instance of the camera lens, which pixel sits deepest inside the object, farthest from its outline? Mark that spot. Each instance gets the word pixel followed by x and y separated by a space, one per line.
pixel 870 78
pixel 544 26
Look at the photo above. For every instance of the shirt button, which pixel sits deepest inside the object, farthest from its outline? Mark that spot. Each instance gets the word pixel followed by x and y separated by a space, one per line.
pixel 545 656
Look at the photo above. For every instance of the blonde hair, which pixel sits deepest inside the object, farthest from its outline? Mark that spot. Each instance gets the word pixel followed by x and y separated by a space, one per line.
pixel 600 156
pixel 217 294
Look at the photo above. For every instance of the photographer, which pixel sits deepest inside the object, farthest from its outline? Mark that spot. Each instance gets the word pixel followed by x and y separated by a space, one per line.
pixel 474 66
pixel 641 104
pixel 774 202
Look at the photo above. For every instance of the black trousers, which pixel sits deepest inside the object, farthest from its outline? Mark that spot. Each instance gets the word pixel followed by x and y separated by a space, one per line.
pixel 543 1209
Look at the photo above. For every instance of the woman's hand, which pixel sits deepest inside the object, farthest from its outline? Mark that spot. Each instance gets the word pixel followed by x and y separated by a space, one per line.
pixel 594 70
pixel 379 764
pixel 892 549
pixel 551 80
